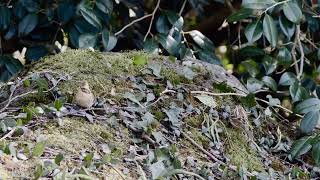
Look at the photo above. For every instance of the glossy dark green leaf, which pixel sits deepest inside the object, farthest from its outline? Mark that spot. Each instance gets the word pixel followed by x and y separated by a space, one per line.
pixel 11 32
pixel 151 45
pixel 287 27
pixel 292 11
pixel 30 5
pixel 87 41
pixel 270 64
pixel 105 6
pixel 74 36
pixel 251 51
pixel 300 147
pixel 109 41
pixel 208 56
pixel 284 56
pixel 287 79
pixel 270 82
pixel 298 92
pixel 201 40
pixel 253 31
pixel 240 15
pixel 309 122
pixel 9 67
pixel 65 11
pixel 257 4
pixel 175 19
pixel 170 44
pixel 311 104
pixel 270 30
pixel 27 24
pixel 84 27
pixel 34 53
pixel 90 17
pixel 316 152
pixel 254 85
pixel 162 24
pixel 5 17
pixel 58 159
pixel 252 67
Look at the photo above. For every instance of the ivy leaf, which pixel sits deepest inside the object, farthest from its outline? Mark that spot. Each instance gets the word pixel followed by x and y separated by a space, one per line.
pixel 270 64
pixel 270 82
pixel 252 67
pixel 311 104
pixel 253 31
pixel 240 15
pixel 58 159
pixel 207 100
pixel 298 92
pixel 140 60
pixel 27 24
pixel 5 17
pixel 201 40
pixel 254 84
pixel 105 6
pixel 309 122
pixel 65 11
pixel 270 30
pixel 162 24
pixel 292 11
pixel 287 79
pixel 300 147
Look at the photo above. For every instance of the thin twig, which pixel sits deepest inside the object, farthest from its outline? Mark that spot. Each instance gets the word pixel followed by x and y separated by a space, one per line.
pixel 211 156
pixel 301 52
pixel 133 22
pixel 152 18
pixel 218 94
pixel 293 54
pixel 181 171
pixel 182 7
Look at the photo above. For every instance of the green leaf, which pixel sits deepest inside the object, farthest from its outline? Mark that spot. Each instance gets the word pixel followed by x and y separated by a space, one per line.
pixel 284 56
pixel 151 45
pixel 270 30
pixel 88 159
pixel 311 104
pixel 251 51
pixel 252 67
pixel 58 104
pixel 309 122
pixel 87 40
pixel 254 85
pixel 170 44
pixel 300 147
pixel 269 64
pixel 109 41
pixel 316 152
pixel 201 40
pixel 140 60
pixel 58 159
pixel 65 11
pixel 207 100
pixel 253 31
pixel 38 149
pixel 292 11
pixel 34 53
pixel 257 4
pixel 240 15
pixel 175 19
pixel 105 6
pixel 270 82
pixel 287 79
pixel 287 27
pixel 90 17
pixel 5 17
pixel 298 92
pixel 162 24
pixel 27 24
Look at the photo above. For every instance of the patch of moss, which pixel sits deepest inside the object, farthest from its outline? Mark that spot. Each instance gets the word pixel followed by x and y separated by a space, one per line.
pixel 240 153
pixel 194 121
pixel 200 138
pixel 222 87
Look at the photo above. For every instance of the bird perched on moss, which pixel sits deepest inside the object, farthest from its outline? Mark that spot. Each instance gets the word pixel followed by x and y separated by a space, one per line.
pixel 84 96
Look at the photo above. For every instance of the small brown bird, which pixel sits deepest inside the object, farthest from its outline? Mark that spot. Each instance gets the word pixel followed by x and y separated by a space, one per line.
pixel 84 96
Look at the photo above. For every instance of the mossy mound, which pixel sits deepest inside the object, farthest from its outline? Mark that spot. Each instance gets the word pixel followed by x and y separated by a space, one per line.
pixel 115 143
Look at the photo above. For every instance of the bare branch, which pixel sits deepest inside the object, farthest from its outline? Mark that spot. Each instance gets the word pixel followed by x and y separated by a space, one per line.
pixel 152 18
pixel 133 22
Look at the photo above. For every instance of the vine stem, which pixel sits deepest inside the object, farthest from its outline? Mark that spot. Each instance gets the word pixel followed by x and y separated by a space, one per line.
pixel 298 30
pixel 133 22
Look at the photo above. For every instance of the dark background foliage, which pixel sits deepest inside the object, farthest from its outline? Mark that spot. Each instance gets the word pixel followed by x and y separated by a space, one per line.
pixel 271 45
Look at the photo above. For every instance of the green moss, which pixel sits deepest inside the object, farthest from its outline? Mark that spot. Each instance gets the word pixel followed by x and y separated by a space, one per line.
pixel 194 121
pixel 240 153
pixel 159 115
pixel 200 138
